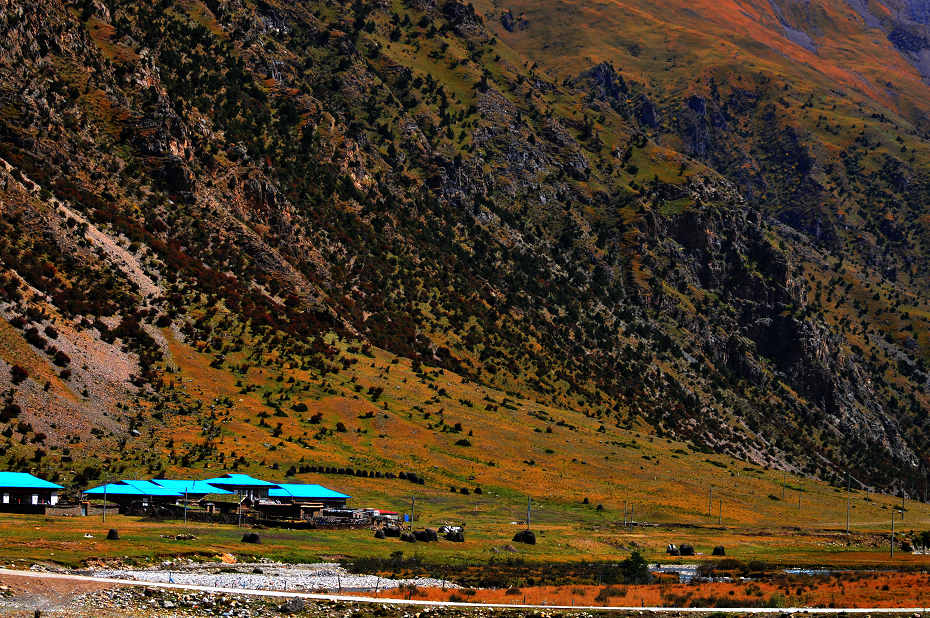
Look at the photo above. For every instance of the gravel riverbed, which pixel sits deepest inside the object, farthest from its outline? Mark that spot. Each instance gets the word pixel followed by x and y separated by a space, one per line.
pixel 126 602
pixel 326 577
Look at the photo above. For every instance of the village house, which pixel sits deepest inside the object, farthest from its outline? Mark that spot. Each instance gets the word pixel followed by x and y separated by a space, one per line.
pixel 21 492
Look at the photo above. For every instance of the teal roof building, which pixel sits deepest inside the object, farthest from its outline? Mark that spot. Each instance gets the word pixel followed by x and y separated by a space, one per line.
pixel 141 489
pixel 190 488
pixel 24 480
pixel 296 492
pixel 21 492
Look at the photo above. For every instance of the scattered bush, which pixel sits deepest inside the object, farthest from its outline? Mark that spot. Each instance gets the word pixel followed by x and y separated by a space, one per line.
pixel 18 374
pixel 9 412
pixel 34 338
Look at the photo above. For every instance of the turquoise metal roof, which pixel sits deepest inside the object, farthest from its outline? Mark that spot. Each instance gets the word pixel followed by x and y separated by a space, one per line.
pixel 133 488
pixel 239 480
pixel 24 480
pixel 113 489
pixel 200 488
pixel 295 490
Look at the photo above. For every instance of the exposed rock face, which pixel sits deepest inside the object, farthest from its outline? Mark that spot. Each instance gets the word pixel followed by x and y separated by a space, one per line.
pixel 766 344
pixel 175 177
pixel 463 18
pixel 700 121
pixel 607 85
pixel 513 23
pixel 647 114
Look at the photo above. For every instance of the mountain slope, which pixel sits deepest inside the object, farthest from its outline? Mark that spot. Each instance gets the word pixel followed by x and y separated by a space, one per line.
pixel 250 180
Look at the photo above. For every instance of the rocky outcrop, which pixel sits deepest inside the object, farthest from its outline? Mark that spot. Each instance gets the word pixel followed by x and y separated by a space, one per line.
pixel 606 84
pixel 731 257
pixel 464 18
pixel 513 23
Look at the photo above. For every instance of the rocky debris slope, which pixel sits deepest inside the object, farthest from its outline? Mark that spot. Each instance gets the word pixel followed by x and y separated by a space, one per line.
pixel 132 601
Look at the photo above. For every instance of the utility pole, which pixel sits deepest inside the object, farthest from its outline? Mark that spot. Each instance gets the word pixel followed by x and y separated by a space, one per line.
pixel 633 504
pixel 847 502
pixel 106 483
pixel 624 513
pixel 892 533
pixel 413 506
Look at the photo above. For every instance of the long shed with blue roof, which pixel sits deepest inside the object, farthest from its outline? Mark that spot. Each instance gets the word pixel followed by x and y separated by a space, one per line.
pixel 129 492
pixel 299 492
pixel 191 489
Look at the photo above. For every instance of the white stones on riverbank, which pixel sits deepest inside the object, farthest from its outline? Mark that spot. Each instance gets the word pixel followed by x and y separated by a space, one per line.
pixel 269 576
